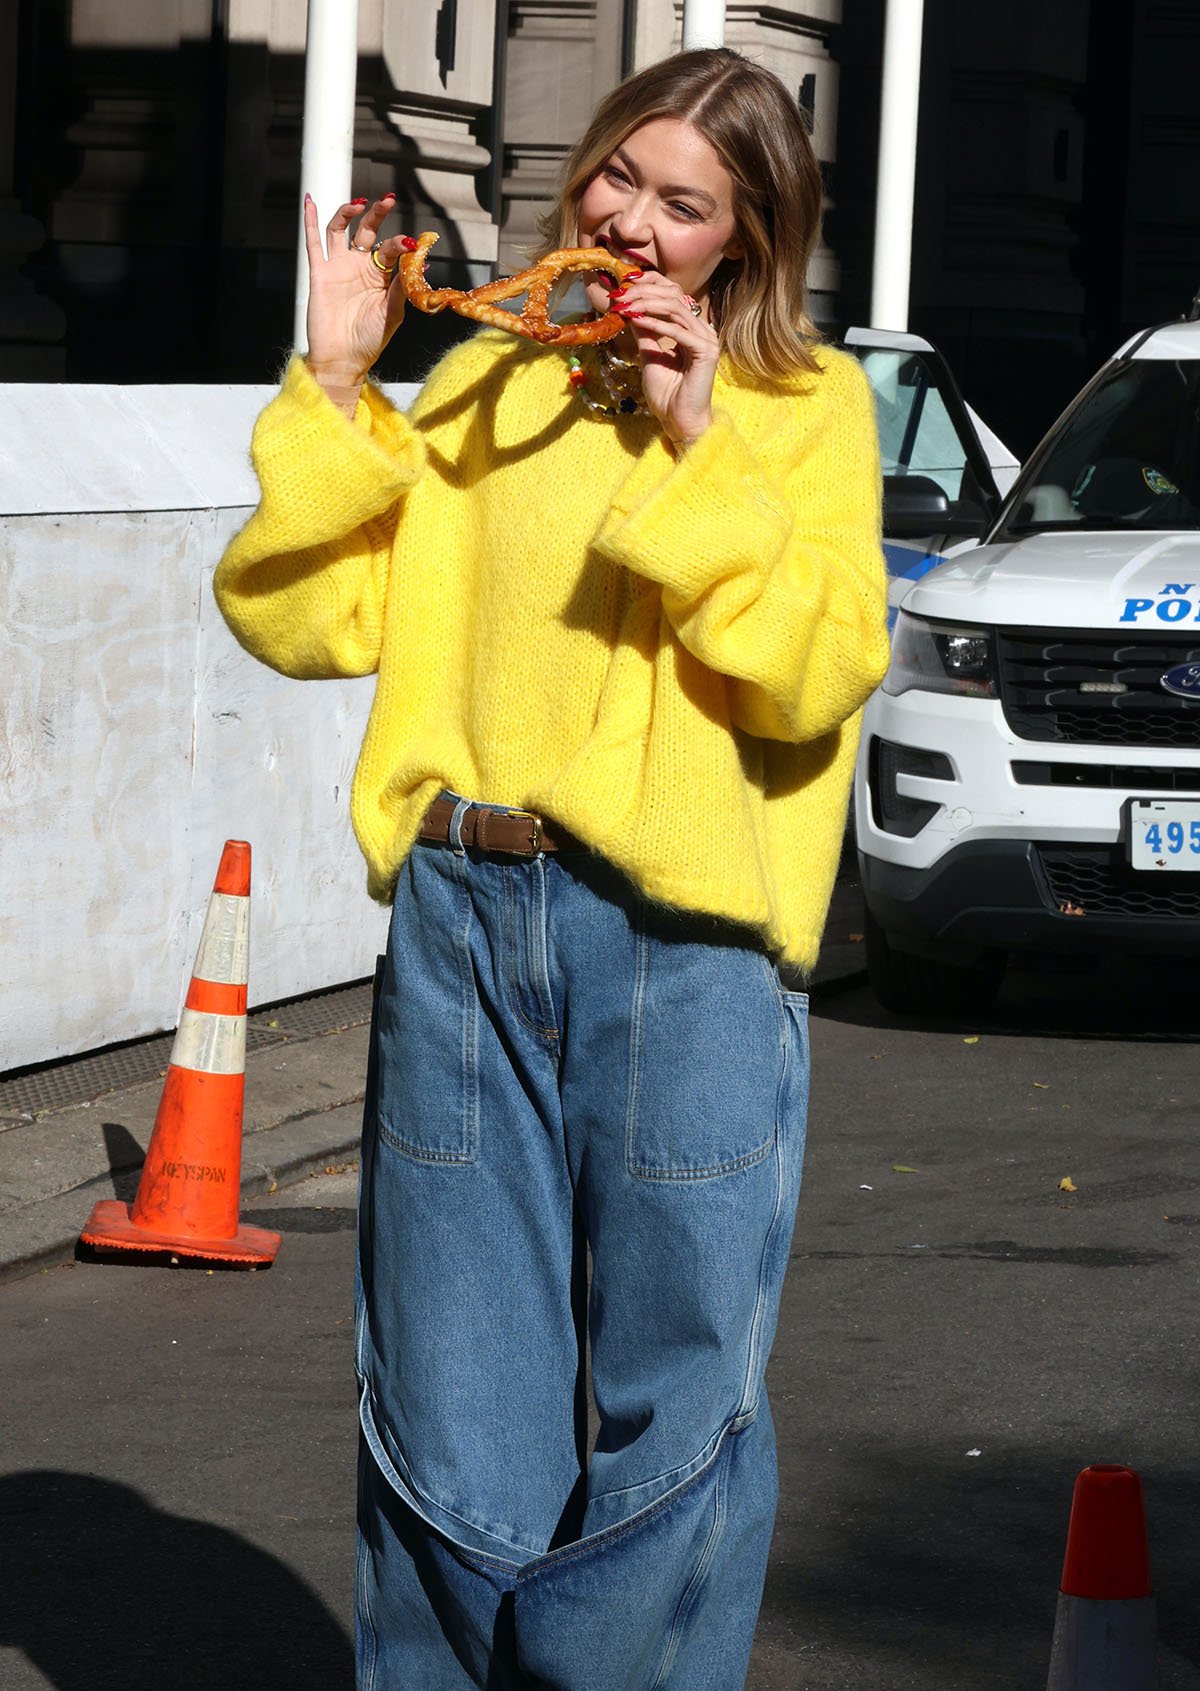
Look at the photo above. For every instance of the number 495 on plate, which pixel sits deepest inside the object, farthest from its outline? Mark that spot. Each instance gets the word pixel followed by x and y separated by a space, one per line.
pixel 1164 834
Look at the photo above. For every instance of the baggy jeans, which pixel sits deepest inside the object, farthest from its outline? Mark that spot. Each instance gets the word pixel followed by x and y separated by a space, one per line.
pixel 561 1069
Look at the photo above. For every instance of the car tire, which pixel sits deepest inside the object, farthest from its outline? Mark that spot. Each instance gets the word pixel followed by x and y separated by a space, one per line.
pixel 909 985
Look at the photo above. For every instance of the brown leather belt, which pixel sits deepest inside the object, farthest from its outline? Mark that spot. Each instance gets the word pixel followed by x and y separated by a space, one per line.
pixel 516 833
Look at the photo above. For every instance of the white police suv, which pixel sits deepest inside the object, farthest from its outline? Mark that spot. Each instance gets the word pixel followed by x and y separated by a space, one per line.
pixel 1029 778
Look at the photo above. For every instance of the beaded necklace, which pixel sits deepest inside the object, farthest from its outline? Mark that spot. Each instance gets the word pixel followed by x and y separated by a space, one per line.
pixel 625 401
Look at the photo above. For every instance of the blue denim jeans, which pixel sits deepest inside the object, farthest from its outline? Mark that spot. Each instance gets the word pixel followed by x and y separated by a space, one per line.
pixel 561 1069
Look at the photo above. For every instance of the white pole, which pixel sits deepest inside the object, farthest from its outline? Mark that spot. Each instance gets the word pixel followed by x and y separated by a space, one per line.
pixel 327 148
pixel 897 164
pixel 703 24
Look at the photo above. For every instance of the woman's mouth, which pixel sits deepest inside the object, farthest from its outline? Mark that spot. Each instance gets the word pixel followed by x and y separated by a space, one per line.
pixel 626 253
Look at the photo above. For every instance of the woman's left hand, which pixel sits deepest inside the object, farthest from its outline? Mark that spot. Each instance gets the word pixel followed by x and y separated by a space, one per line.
pixel 679 353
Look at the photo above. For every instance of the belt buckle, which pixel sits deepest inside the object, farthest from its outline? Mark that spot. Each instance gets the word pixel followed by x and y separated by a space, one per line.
pixel 535 829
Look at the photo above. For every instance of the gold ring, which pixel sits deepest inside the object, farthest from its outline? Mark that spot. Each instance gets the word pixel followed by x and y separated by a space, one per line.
pixel 387 269
pixel 694 306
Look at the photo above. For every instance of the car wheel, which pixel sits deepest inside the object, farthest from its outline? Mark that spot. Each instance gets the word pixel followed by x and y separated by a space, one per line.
pixel 909 984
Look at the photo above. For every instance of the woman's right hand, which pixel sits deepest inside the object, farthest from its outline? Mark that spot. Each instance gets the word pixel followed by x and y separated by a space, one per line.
pixel 354 309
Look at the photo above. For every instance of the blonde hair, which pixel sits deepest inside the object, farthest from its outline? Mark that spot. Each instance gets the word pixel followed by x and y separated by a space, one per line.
pixel 759 302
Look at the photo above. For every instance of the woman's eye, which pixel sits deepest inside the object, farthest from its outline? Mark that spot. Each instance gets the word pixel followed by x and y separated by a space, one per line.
pixel 613 174
pixel 685 211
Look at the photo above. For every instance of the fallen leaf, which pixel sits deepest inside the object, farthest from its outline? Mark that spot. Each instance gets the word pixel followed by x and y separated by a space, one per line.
pixel 903 1168
pixel 1066 1184
pixel 272 1024
pixel 1066 908
pixel 971 1039
pixel 1042 1085
pixel 273 1187
pixel 855 939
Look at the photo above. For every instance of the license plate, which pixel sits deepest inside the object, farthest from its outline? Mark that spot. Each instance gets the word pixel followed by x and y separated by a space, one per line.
pixel 1164 834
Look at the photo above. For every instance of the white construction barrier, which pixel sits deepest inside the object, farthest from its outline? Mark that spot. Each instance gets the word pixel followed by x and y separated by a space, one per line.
pixel 136 735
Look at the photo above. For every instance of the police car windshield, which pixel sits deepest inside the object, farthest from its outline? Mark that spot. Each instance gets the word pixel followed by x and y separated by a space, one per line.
pixel 1126 457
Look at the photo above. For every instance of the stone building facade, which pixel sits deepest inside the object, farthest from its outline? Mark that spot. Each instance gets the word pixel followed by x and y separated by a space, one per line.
pixel 149 169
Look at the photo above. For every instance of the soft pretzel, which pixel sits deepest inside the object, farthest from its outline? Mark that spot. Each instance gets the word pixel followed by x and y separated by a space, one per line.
pixel 535 283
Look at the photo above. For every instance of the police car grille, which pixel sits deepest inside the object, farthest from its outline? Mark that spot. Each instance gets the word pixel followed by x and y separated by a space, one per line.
pixel 1063 686
pixel 1097 881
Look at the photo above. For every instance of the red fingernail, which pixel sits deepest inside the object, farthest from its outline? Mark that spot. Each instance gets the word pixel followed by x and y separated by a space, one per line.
pixel 308 199
pixel 388 197
pixel 632 275
pixel 409 245
pixel 360 201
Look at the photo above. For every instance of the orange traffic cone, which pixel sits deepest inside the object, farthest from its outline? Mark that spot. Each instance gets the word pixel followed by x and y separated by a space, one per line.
pixel 187 1199
pixel 1104 1629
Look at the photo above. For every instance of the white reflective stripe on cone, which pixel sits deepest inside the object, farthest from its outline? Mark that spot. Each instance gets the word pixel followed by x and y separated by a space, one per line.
pixel 224 953
pixel 213 1044
pixel 1103 1645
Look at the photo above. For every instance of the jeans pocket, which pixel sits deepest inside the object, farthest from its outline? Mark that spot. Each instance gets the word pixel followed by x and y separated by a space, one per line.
pixel 707 1054
pixel 427 1021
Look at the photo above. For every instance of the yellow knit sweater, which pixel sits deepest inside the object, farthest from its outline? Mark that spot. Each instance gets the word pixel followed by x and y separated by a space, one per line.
pixel 668 658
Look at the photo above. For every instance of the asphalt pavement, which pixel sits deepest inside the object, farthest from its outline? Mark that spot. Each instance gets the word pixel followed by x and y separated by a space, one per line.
pixel 993 1284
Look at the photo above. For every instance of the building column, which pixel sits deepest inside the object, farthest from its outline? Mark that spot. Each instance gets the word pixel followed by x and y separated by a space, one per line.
pixel 562 57
pixel 795 45
pixel 440 63
pixel 793 42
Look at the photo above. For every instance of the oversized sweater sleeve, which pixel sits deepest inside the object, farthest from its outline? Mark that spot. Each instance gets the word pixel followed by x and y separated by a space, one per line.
pixel 773 577
pixel 302 585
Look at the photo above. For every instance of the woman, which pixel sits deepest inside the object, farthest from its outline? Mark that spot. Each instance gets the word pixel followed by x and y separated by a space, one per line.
pixel 624 610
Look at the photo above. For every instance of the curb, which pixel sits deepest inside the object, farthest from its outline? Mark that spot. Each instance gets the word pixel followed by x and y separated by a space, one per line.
pixel 45 1234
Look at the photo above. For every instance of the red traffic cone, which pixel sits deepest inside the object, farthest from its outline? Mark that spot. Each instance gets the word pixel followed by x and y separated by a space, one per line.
pixel 187 1199
pixel 1104 1629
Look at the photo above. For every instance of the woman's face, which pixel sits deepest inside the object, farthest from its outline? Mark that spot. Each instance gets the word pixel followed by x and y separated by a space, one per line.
pixel 664 201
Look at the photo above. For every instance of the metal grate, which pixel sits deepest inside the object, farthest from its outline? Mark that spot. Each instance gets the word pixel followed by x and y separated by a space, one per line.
pixel 78 1080
pixel 1097 881
pixel 322 1012
pixel 1092 687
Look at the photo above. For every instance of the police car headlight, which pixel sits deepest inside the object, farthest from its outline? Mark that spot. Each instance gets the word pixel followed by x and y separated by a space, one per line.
pixel 940 658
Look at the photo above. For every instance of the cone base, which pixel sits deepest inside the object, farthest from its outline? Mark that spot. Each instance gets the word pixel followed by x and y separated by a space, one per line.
pixel 110 1227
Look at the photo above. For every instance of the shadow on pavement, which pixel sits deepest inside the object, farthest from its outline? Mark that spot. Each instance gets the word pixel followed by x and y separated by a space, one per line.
pixel 924 1576
pixel 102 1590
pixel 1050 998
pixel 125 1158
pixel 316 1218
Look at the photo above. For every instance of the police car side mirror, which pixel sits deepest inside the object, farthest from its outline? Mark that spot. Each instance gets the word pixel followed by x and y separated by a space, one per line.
pixel 915 506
